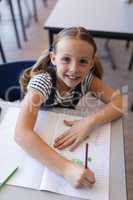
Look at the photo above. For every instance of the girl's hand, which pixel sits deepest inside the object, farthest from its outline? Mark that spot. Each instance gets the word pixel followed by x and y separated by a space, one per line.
pixel 74 136
pixel 79 176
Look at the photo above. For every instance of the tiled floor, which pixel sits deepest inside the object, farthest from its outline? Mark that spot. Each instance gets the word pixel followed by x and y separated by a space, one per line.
pixel 38 41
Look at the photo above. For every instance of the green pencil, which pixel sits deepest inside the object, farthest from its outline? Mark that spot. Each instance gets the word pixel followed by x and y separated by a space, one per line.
pixel 10 175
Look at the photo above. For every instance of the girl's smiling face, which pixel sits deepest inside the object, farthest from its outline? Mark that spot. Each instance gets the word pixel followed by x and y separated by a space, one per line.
pixel 73 59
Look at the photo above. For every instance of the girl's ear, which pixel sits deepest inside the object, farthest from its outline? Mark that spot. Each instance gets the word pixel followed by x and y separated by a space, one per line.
pixel 53 58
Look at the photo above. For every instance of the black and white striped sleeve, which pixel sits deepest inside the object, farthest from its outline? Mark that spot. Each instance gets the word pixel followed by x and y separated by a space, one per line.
pixel 42 83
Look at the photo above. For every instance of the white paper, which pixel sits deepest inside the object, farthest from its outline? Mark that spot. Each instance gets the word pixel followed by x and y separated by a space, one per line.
pixel 99 151
pixel 30 171
pixel 34 175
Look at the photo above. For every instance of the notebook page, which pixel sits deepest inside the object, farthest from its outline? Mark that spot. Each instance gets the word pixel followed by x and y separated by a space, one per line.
pixel 98 162
pixel 30 171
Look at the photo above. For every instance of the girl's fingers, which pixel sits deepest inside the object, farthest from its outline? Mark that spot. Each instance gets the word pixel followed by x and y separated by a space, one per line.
pixel 86 183
pixel 83 182
pixel 63 140
pixel 61 136
pixel 74 145
pixel 70 123
pixel 66 143
pixel 90 178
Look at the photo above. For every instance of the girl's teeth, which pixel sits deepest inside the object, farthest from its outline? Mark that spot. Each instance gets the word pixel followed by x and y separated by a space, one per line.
pixel 72 77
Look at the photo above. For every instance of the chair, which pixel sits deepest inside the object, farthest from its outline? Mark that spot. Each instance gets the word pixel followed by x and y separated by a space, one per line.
pixel 2 53
pixel 9 76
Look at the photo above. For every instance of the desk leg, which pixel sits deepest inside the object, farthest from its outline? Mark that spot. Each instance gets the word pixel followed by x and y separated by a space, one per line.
pixel 14 22
pixel 132 107
pixel 129 68
pixel 109 54
pixel 50 37
pixel 22 20
pixel 127 43
pixel 2 53
pixel 130 62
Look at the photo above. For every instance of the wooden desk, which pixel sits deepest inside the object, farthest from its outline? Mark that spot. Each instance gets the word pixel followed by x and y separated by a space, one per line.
pixel 117 172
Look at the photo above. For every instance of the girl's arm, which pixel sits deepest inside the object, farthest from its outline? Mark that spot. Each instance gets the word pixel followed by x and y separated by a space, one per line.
pixel 26 137
pixel 37 148
pixel 115 106
pixel 81 129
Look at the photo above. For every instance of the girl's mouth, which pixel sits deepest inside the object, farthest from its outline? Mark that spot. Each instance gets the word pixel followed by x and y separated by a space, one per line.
pixel 72 77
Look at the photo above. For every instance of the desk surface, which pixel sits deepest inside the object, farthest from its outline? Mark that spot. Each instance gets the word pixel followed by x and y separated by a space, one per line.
pixel 112 19
pixel 117 173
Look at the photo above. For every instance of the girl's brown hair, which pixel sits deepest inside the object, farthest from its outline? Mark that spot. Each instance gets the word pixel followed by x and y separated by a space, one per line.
pixel 44 60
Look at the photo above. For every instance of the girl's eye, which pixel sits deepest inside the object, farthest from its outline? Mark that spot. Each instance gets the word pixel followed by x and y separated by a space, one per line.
pixel 83 61
pixel 66 59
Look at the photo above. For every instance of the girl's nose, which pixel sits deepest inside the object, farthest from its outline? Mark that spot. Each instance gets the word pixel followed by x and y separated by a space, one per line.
pixel 74 67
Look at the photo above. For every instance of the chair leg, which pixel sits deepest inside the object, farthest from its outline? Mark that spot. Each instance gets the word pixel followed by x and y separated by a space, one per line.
pixel 27 24
pixel 22 20
pixel 0 17
pixel 35 10
pixel 2 53
pixel 14 23
pixel 45 3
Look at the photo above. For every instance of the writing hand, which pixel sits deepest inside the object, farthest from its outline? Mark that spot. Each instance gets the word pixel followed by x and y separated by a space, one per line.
pixel 78 176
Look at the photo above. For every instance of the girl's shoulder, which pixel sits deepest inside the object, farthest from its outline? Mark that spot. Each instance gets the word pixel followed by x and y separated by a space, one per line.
pixel 49 74
pixel 42 76
pixel 41 82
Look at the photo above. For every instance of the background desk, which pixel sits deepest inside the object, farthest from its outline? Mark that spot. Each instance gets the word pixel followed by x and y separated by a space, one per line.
pixel 104 19
pixel 117 172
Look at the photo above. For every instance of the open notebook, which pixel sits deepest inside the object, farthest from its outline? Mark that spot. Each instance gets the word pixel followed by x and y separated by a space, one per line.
pixel 34 175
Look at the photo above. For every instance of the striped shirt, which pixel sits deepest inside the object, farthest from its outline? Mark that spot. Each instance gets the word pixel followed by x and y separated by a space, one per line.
pixel 43 83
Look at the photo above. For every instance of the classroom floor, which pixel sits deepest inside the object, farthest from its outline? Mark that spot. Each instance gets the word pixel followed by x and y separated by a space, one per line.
pixel 38 41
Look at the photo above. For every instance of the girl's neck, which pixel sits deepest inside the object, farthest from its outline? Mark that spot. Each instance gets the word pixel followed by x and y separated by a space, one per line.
pixel 61 87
